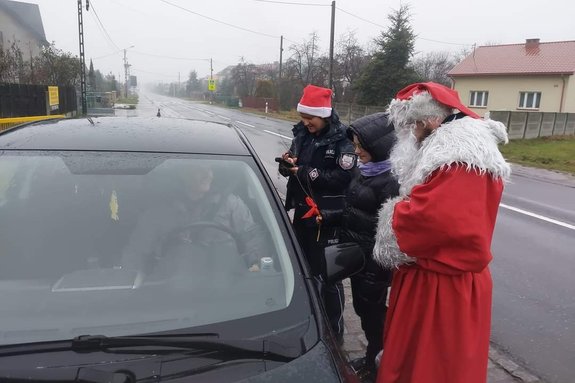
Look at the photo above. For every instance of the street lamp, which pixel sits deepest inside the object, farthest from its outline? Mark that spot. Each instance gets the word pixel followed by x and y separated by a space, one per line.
pixel 126 71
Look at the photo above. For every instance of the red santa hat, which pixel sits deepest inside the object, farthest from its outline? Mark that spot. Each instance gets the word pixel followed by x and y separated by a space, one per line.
pixel 316 101
pixel 438 92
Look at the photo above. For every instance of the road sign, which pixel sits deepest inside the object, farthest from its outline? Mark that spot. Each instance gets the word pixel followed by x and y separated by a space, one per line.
pixel 212 85
pixel 53 97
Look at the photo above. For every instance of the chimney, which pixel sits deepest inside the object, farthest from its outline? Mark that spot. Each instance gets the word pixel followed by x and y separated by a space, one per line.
pixel 531 43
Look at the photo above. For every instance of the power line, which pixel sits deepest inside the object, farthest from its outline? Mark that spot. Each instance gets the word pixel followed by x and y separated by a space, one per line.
pixel 107 55
pixel 219 21
pixel 154 73
pixel 360 18
pixel 293 3
pixel 170 57
pixel 444 42
pixel 99 22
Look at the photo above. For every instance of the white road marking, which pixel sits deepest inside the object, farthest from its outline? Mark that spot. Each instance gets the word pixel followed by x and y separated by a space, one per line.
pixel 543 218
pixel 224 117
pixel 277 134
pixel 243 123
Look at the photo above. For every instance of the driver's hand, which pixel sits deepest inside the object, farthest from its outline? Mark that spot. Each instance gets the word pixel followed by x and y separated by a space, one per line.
pixel 254 268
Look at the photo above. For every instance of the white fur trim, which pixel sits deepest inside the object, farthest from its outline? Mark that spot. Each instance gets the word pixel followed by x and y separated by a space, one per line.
pixel 467 141
pixel 386 251
pixel 319 111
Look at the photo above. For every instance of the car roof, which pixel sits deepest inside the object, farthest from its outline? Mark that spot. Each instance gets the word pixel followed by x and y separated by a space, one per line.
pixel 133 134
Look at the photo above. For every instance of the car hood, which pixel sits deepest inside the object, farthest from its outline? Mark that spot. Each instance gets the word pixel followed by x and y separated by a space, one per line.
pixel 316 365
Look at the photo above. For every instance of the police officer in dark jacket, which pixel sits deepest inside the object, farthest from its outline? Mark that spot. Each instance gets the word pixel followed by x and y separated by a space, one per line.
pixel 373 137
pixel 320 164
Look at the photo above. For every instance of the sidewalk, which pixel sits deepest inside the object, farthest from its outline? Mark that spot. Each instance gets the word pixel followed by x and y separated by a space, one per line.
pixel 501 369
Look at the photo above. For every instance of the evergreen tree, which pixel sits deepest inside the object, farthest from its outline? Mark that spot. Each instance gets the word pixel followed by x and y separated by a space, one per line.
pixel 92 78
pixel 388 70
pixel 193 84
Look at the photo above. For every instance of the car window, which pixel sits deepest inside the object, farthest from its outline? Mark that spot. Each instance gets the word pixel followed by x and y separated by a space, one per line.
pixel 123 243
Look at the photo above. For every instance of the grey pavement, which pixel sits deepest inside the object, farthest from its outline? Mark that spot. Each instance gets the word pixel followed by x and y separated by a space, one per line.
pixel 501 369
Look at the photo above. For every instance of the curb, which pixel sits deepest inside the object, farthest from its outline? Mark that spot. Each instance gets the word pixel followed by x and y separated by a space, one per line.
pixel 521 374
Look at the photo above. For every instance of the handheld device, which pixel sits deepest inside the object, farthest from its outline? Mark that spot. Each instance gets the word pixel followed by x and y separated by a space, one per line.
pixel 284 162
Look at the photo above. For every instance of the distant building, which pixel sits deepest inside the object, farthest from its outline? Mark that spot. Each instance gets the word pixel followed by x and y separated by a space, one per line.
pixel 533 76
pixel 22 23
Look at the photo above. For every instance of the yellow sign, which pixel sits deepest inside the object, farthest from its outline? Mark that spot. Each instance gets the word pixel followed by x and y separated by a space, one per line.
pixel 212 85
pixel 53 98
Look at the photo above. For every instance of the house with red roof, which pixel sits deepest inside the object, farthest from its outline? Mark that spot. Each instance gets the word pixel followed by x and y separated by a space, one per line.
pixel 530 77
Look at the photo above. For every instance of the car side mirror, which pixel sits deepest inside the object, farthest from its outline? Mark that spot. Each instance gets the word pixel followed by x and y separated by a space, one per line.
pixel 342 261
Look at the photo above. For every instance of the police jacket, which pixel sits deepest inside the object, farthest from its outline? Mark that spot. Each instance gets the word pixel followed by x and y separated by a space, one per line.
pixel 325 167
pixel 365 194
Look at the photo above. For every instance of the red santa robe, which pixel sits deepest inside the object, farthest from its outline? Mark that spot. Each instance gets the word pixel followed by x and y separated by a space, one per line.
pixel 439 236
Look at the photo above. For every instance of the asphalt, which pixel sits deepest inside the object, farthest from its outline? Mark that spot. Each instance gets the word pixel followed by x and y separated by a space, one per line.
pixel 501 368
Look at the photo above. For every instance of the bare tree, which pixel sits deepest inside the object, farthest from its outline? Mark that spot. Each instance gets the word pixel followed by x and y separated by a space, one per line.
pixel 304 62
pixel 434 66
pixel 244 77
pixel 350 60
pixel 12 65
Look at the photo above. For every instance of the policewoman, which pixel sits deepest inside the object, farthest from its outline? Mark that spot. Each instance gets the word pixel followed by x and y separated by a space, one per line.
pixel 320 164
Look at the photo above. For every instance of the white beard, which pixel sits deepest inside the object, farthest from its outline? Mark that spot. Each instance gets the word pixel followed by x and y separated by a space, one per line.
pixel 403 157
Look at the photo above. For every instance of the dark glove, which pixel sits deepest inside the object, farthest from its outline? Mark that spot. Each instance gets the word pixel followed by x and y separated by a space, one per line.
pixel 284 170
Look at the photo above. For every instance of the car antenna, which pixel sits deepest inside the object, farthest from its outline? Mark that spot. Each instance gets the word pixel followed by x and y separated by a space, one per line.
pixel 91 121
pixel 158 114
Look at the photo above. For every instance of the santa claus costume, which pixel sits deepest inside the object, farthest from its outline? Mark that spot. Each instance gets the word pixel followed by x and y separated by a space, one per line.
pixel 437 235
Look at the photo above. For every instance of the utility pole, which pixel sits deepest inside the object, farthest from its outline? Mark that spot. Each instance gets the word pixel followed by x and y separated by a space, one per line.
pixel 281 55
pixel 280 73
pixel 82 57
pixel 331 38
pixel 211 79
pixel 211 70
pixel 126 66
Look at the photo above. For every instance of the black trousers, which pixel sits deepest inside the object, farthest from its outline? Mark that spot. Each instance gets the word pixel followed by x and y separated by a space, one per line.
pixel 332 294
pixel 369 304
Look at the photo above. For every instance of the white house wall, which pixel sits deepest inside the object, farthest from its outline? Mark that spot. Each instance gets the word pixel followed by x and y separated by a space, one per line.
pixel 25 40
pixel 504 92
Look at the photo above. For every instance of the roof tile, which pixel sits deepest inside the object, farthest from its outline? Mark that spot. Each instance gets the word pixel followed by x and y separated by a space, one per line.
pixel 538 58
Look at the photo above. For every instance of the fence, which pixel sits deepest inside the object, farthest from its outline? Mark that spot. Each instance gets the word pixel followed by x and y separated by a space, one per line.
pixel 18 100
pixel 524 125
pixel 6 123
pixel 260 103
pixel 351 112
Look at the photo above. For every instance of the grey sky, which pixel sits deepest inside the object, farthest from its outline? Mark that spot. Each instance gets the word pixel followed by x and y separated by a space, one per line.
pixel 169 40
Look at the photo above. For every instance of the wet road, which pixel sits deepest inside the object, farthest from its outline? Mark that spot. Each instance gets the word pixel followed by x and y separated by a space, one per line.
pixel 534 246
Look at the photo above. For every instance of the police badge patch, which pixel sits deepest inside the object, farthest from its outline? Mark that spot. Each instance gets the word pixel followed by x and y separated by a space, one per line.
pixel 347 161
pixel 313 174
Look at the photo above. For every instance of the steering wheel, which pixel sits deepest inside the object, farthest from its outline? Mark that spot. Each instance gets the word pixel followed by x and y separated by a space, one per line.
pixel 197 226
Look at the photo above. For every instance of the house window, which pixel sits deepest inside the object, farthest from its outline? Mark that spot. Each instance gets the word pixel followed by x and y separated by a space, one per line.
pixel 478 98
pixel 529 100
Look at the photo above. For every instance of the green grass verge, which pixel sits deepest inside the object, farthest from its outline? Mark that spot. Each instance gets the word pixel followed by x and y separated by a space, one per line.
pixel 554 153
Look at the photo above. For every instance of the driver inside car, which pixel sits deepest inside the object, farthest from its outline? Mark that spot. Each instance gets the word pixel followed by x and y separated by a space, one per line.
pixel 183 220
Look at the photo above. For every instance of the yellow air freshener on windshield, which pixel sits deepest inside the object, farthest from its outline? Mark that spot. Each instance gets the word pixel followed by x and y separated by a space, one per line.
pixel 114 206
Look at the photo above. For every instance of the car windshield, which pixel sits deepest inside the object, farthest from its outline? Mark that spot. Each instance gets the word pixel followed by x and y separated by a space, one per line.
pixel 125 243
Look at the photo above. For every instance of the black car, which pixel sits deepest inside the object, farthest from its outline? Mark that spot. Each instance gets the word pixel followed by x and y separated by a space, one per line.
pixel 148 250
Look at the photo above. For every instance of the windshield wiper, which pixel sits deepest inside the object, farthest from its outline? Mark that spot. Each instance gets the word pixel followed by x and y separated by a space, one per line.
pixel 239 348
pixel 68 344
pixel 232 348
